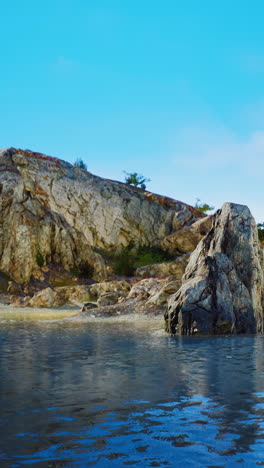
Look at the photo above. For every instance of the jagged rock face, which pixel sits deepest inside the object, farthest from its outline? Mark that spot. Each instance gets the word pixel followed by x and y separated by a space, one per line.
pixel 185 240
pixel 222 289
pixel 52 211
pixel 29 228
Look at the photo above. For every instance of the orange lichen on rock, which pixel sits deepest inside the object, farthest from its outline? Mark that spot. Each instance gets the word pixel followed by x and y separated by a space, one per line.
pixel 170 202
pixel 34 154
pixel 40 191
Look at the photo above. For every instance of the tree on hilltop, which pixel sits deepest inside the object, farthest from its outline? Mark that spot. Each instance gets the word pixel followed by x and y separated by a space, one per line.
pixel 203 207
pixel 80 164
pixel 135 179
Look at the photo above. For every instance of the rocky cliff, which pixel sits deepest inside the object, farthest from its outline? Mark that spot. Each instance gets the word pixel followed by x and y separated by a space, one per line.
pixel 222 289
pixel 52 212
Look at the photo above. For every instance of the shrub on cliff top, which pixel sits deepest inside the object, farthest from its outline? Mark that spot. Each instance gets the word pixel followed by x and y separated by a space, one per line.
pixel 133 178
pixel 203 207
pixel 80 164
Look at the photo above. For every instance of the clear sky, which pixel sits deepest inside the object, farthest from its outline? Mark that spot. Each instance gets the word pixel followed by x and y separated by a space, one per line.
pixel 171 89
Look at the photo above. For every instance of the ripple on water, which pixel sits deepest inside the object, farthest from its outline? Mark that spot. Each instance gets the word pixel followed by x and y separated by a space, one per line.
pixel 121 394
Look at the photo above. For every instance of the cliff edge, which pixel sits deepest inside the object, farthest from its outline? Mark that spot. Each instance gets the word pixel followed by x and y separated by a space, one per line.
pixel 54 213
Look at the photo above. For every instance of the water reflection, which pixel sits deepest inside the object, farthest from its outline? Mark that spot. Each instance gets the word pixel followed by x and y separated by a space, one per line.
pixel 121 394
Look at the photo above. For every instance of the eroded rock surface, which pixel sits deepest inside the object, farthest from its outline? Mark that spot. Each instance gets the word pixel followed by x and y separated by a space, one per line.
pixel 106 292
pixel 186 239
pixel 53 212
pixel 147 297
pixel 222 290
pixel 174 268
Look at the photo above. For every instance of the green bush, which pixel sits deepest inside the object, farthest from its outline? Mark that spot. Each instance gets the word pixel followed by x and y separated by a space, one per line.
pixel 150 255
pixel 79 163
pixel 133 178
pixel 40 259
pixel 261 231
pixel 203 207
pixel 124 263
pixel 132 257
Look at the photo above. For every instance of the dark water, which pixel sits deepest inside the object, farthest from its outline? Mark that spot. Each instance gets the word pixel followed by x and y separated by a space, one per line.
pixel 118 395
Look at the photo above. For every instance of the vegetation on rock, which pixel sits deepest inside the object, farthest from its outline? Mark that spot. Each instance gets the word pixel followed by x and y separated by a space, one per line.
pixel 261 231
pixel 138 180
pixel 80 164
pixel 132 257
pixel 40 259
pixel 203 207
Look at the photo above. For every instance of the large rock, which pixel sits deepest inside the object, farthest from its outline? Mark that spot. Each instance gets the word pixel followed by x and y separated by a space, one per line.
pixel 186 239
pixel 222 290
pixel 145 289
pixel 162 295
pixel 53 212
pixel 46 298
pixel 174 268
pixel 111 291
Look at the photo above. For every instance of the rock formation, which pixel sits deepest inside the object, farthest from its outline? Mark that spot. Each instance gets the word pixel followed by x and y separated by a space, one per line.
pixel 222 289
pixel 174 268
pixel 186 239
pixel 53 212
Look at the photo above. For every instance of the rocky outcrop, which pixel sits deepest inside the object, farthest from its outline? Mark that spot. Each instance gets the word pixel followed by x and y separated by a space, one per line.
pixel 185 240
pixel 53 212
pixel 174 268
pixel 145 289
pixel 147 297
pixel 222 289
pixel 160 298
pixel 104 293
pixel 150 293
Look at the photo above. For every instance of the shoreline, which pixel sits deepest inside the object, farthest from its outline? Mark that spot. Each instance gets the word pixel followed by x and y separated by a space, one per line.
pixel 72 314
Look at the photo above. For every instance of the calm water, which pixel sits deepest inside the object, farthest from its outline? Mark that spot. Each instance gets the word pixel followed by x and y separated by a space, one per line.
pixel 122 394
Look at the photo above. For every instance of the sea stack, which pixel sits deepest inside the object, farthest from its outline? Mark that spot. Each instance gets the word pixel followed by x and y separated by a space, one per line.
pixel 222 288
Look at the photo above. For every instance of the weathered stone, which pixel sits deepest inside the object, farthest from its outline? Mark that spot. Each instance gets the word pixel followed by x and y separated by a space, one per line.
pixel 74 294
pixel 45 298
pixel 185 240
pixel 16 301
pixel 109 298
pixel 14 288
pixel 145 289
pixel 222 290
pixel 89 306
pixel 162 296
pixel 96 290
pixel 54 297
pixel 174 268
pixel 54 213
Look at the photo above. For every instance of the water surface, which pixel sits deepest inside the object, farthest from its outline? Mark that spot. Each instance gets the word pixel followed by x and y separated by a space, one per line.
pixel 117 394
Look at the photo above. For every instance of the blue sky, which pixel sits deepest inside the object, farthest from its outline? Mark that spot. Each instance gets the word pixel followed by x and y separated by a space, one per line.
pixel 172 90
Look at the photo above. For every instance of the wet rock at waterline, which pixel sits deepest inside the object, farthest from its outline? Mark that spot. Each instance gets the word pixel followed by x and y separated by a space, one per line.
pixel 222 288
